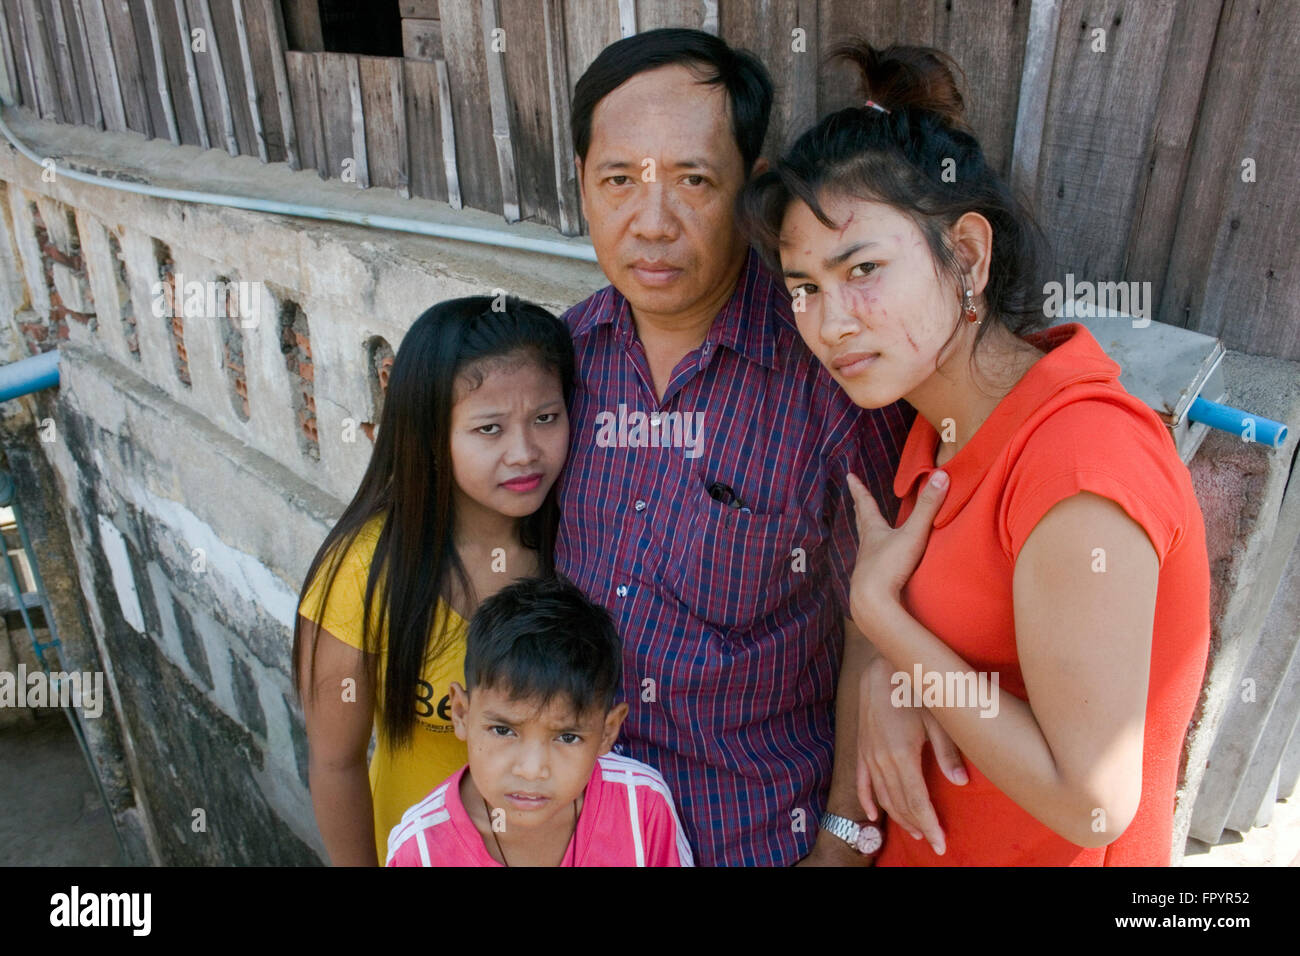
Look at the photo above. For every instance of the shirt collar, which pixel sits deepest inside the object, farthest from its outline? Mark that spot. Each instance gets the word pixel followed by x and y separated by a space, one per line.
pixel 746 324
pixel 1072 358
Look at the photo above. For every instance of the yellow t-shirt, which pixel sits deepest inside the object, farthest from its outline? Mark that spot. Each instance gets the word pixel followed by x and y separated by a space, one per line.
pixel 399 777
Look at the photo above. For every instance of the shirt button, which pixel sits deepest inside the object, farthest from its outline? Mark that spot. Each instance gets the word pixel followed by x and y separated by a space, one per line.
pixel 640 505
pixel 654 420
pixel 621 590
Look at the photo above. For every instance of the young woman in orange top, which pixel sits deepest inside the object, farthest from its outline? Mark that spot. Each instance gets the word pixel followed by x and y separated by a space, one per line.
pixel 1041 614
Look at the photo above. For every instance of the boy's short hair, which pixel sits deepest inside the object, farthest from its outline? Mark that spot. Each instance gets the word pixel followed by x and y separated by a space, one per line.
pixel 539 639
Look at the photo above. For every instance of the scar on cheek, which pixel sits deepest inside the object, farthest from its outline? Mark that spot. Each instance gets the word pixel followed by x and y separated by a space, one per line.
pixel 862 303
pixel 910 340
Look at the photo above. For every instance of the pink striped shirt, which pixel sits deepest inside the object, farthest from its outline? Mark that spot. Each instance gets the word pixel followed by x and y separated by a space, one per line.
pixel 627 819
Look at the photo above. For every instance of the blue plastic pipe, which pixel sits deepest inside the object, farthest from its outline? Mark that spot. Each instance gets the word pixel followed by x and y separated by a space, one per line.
pixel 29 375
pixel 1265 431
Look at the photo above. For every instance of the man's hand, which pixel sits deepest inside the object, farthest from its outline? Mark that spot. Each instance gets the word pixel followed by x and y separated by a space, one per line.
pixel 830 850
pixel 841 798
pixel 890 741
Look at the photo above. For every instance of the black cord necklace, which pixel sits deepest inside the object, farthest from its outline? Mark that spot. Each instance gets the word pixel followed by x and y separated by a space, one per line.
pixel 497 840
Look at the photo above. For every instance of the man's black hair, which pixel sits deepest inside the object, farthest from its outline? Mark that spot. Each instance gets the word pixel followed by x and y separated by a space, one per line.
pixel 747 82
pixel 541 639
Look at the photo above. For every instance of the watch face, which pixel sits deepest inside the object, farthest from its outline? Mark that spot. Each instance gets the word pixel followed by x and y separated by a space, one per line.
pixel 869 840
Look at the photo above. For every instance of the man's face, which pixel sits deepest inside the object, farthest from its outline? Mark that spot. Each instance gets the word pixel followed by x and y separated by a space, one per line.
pixel 658 188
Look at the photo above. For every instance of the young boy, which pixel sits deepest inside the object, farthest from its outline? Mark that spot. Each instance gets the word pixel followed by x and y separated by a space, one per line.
pixel 542 665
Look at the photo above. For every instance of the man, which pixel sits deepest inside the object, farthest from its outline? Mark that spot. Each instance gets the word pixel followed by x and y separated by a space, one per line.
pixel 705 500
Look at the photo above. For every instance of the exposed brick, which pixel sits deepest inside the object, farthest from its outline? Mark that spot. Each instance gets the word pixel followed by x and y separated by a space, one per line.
pixel 53 252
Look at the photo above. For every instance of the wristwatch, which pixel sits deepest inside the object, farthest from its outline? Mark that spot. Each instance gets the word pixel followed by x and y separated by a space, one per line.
pixel 863 837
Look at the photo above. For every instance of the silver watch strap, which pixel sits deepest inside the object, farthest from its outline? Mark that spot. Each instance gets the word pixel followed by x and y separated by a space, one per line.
pixel 842 827
pixel 864 838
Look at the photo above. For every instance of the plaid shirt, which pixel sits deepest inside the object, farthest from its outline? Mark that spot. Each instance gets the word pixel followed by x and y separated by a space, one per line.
pixel 731 616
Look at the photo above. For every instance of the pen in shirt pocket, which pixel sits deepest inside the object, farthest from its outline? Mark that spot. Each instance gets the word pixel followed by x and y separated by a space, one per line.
pixel 723 493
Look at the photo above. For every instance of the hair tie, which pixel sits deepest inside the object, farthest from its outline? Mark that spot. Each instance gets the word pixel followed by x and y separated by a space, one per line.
pixel 876 106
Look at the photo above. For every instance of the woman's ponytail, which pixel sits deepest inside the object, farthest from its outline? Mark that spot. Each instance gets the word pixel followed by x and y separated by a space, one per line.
pixel 906 77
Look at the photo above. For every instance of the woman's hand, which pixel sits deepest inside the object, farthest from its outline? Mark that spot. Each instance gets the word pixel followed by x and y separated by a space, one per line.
pixel 890 740
pixel 887 556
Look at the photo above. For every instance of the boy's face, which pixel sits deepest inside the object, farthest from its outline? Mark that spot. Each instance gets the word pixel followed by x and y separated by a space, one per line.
pixel 531 762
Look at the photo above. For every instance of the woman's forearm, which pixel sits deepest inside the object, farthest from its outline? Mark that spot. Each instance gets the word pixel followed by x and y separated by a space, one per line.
pixel 344 813
pixel 1002 739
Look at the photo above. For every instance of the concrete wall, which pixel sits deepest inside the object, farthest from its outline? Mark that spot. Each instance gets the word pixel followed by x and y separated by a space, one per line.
pixel 190 526
pixel 177 522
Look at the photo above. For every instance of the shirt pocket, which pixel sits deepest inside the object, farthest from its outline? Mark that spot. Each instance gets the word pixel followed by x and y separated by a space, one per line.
pixel 731 569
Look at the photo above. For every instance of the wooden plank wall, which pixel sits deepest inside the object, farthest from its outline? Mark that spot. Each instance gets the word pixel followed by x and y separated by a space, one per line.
pixel 56 35
pixel 1100 120
pixel 589 27
pixel 20 82
pixel 1232 271
pixel 529 100
pixel 476 152
pixel 424 129
pixel 1167 157
pixel 130 61
pixel 784 35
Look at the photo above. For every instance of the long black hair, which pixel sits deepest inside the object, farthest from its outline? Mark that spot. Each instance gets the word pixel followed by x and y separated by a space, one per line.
pixel 409 485
pixel 917 155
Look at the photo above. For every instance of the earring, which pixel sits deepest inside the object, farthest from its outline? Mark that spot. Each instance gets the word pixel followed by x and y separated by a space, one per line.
pixel 969 310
